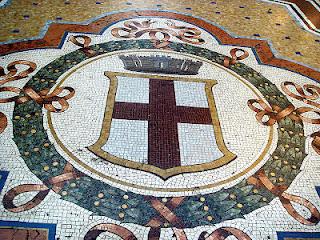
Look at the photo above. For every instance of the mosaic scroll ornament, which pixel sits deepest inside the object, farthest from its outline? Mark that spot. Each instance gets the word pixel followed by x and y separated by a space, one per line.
pixel 26 94
pixel 12 75
pixel 103 199
pixel 135 29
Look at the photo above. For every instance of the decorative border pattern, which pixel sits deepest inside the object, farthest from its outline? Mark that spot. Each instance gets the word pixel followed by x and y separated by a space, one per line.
pixel 182 212
pixel 178 212
pixel 56 33
pixel 50 228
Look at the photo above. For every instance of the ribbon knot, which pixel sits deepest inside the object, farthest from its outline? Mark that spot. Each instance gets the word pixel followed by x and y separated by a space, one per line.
pixel 57 182
pixel 273 114
pixel 261 180
pixel 42 98
pixel 13 74
pixel 307 94
pixel 234 58
pixel 84 45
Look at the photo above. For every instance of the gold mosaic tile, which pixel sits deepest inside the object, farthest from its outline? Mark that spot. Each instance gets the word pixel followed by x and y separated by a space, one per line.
pixel 243 18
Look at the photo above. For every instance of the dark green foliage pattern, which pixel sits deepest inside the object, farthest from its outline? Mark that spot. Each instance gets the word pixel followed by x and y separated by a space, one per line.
pixel 282 166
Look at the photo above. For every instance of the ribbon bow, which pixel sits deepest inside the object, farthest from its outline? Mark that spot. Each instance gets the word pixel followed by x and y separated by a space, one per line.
pixel 307 94
pixel 42 98
pixel 261 180
pixel 233 59
pixel 84 45
pixel 57 182
pixel 273 114
pixel 13 74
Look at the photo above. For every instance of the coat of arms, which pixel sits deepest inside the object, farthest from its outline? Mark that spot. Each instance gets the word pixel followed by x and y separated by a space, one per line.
pixel 162 115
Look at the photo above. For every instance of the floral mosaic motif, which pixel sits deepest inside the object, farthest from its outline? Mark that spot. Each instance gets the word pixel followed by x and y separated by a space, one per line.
pixel 125 206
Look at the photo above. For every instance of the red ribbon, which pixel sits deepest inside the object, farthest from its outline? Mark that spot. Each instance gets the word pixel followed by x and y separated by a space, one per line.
pixel 316 141
pixel 58 181
pixel 118 230
pixel 154 234
pixel 270 115
pixel 166 212
pixel 12 75
pixel 261 180
pixel 42 98
pixel 218 234
pixel 307 94
pixel 3 122
pixel 312 90
pixel 234 58
pixel 84 45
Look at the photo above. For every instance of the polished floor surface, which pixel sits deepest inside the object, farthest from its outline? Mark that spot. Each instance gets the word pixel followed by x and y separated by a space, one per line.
pixel 160 120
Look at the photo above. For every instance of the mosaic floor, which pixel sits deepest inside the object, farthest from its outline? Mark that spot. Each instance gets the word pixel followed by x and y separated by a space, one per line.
pixel 160 120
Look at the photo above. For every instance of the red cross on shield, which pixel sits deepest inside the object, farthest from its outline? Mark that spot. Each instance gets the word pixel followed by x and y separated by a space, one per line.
pixel 161 116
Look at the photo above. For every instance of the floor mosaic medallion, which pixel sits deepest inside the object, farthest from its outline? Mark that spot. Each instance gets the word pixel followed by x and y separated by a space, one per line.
pixel 156 125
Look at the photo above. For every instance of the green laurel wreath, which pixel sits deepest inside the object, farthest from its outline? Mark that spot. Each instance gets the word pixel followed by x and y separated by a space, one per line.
pixel 207 209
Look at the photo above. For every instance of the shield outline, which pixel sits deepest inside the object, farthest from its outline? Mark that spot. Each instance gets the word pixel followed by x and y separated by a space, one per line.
pixel 96 148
